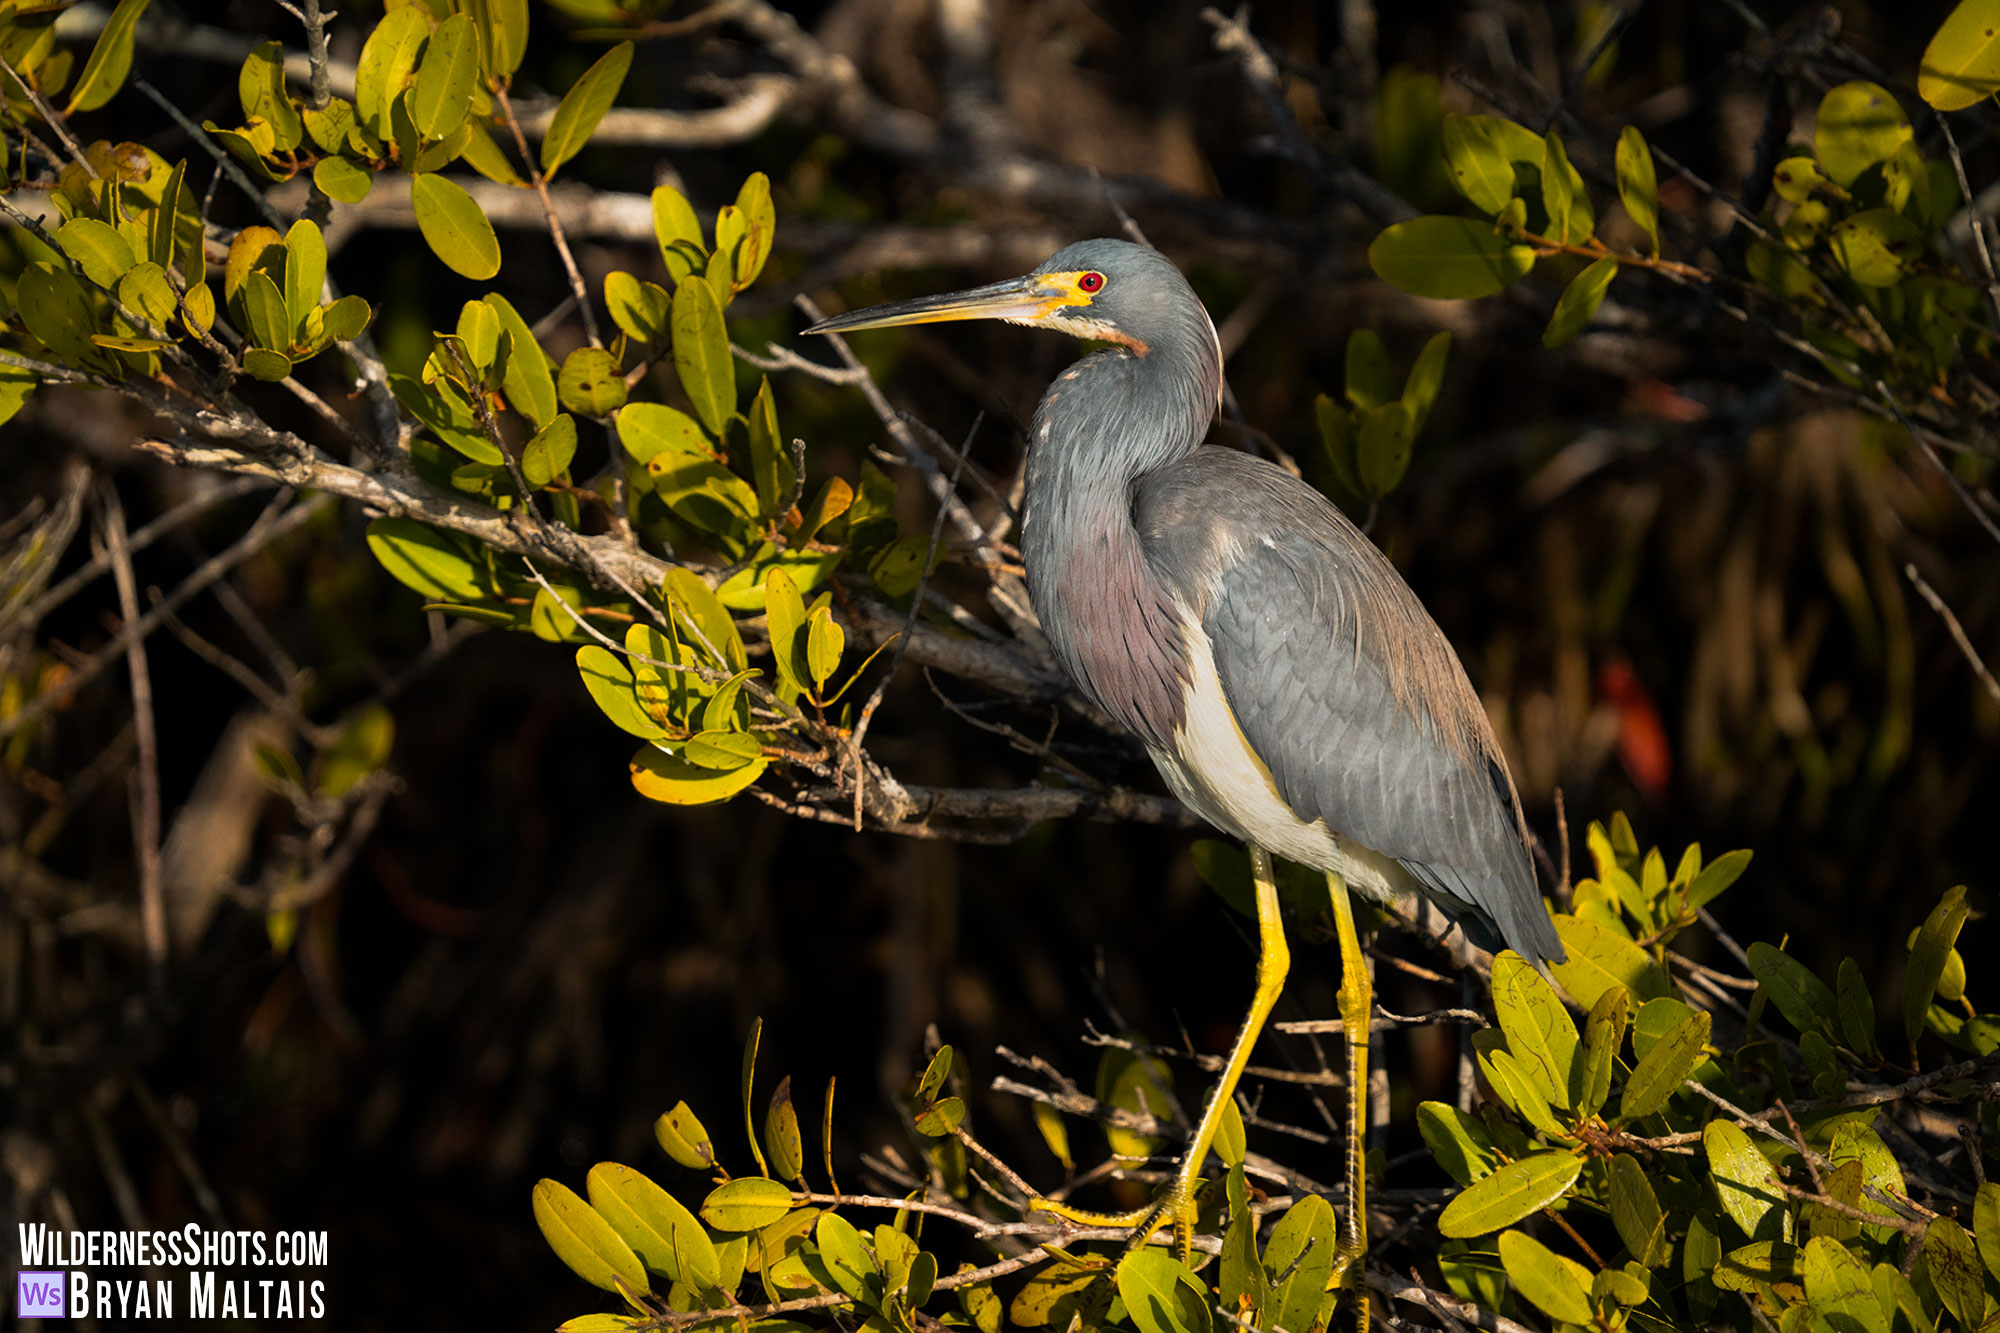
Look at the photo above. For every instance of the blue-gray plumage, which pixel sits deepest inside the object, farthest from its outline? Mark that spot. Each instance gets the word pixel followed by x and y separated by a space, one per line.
pixel 1286 681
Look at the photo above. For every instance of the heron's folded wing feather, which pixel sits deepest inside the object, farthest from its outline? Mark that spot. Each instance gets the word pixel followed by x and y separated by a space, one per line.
pixel 1344 686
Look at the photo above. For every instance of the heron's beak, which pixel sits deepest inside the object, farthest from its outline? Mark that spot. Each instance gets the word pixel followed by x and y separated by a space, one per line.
pixel 1020 300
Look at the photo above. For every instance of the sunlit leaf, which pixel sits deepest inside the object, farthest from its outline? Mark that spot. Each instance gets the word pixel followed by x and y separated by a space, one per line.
pixel 1557 1286
pixel 110 60
pixel 1448 257
pixel 583 106
pixel 1510 1193
pixel 586 1242
pixel 1859 125
pixel 453 225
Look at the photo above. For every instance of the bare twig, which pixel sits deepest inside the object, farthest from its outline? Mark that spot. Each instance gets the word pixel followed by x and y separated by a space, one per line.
pixel 146 806
pixel 1958 635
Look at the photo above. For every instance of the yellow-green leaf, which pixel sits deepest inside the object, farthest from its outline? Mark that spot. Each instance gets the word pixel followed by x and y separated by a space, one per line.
pixel 825 641
pixel 305 271
pixel 110 60
pixel 760 222
pixel 583 106
pixel 610 685
pixel 639 308
pixel 1638 184
pixel 263 307
pixel 1804 1000
pixel 683 1137
pixel 1636 1212
pixel 1961 66
pixel 1664 1067
pixel 441 97
pixel 548 452
pixel 1459 1142
pixel 701 354
pixel 586 1242
pixel 341 180
pixel 674 781
pixel 527 381
pixel 1448 258
pixel 453 225
pixel 1953 1267
pixel 362 748
pixel 1510 1193
pixel 264 364
pixel 649 430
pixel 1538 1029
pixel 387 58
pixel 1557 1286
pixel 785 619
pixel 1860 124
pixel 1929 954
pixel 425 559
pixel 747 1204
pixel 1746 1182
pixel 1161 1295
pixel 98 248
pixel 590 384
pixel 1579 302
pixel 663 1233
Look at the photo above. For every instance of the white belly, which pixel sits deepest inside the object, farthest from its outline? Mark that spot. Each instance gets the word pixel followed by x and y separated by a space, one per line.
pixel 1216 774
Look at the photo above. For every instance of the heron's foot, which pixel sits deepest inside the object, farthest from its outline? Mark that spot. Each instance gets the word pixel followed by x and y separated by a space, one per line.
pixel 1174 1210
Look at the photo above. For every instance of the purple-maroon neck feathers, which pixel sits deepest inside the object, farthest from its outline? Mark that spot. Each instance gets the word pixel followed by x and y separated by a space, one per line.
pixel 1105 423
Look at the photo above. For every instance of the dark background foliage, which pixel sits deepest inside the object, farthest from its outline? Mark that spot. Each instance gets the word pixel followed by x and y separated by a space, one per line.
pixel 527 962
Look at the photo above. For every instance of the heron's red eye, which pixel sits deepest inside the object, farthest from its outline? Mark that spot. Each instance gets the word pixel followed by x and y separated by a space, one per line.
pixel 1091 282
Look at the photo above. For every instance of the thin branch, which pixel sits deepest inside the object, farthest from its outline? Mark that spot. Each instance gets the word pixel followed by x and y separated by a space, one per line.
pixel 541 184
pixel 146 811
pixel 1958 635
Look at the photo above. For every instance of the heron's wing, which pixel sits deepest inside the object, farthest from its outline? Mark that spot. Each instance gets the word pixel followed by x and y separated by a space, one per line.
pixel 1343 685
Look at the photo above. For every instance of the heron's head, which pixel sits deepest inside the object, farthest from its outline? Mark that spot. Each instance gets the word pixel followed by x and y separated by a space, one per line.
pixel 1105 289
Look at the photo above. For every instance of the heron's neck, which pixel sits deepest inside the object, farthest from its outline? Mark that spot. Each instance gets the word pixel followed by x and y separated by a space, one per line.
pixel 1105 423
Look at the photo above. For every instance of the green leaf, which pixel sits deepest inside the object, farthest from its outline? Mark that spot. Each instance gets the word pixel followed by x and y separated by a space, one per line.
pixel 1800 996
pixel 1367 369
pixel 453 225
pixel 305 271
pixel 1603 1034
pixel 1636 1213
pixel 487 158
pixel 98 248
pixel 1515 1082
pixel 639 308
pixel 1929 955
pixel 760 225
pixel 478 332
pixel 1599 957
pixel 1420 390
pixel 441 97
pixel 1538 1029
pixel 586 1242
pixel 695 605
pixel 610 685
pixel 1638 186
pixel 110 60
pixel 1510 1193
pixel 427 560
pixel 548 452
pixel 1298 1262
pixel 746 1204
pixel 1161 1295
pixel 51 303
pixel 1579 302
pixel 847 1260
pixel 340 322
pixel 341 180
pixel 1564 197
pixel 825 641
pixel 1664 1067
pixel 160 240
pixel 770 468
pixel 261 88
pixel 1986 1225
pixel 1716 876
pixel 590 384
pixel 723 751
pixel 653 430
pixel 679 233
pixel 782 1138
pixel 583 106
pixel 785 619
pixel 264 312
pixel 264 364
pixel 1478 162
pixel 1876 247
pixel 942 1119
pixel 1839 1289
pixel 329 126
pixel 701 354
pixel 1557 1286
pixel 1459 1142
pixel 662 1233
pixel 1746 1182
pixel 530 388
pixel 682 1137
pixel 1859 125
pixel 1383 447
pixel 362 748
pixel 1961 66
pixel 1448 258
pixel 1953 1267
pixel 387 58
pixel 1857 1009
pixel 145 292
pixel 503 34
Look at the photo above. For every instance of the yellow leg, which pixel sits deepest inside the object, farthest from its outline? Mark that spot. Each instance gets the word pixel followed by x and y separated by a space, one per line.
pixel 1357 1002
pixel 1175 1208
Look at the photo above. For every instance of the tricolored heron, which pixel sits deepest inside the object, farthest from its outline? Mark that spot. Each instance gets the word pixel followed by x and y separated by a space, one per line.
pixel 1286 681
